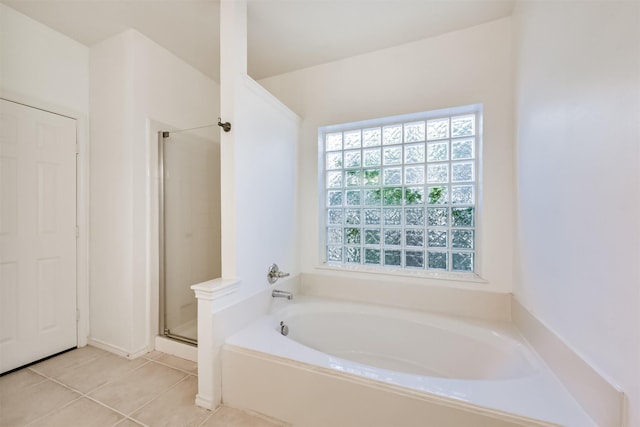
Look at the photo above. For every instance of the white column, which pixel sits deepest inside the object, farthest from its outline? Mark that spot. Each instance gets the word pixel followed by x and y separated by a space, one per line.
pixel 209 381
pixel 205 396
pixel 233 66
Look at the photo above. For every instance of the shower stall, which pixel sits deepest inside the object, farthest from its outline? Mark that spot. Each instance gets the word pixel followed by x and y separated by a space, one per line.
pixel 189 166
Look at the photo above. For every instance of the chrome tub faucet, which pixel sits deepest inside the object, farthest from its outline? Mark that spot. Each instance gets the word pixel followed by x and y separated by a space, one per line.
pixel 274 274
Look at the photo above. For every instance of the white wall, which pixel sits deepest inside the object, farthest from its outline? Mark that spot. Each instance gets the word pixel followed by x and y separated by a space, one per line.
pixel 460 68
pixel 578 163
pixel 133 82
pixel 265 184
pixel 41 64
pixel 45 69
pixel 259 167
pixel 110 282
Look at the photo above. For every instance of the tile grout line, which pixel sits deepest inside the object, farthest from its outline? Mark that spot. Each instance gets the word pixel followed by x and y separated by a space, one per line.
pixel 84 362
pixel 173 367
pixel 157 397
pixel 188 374
pixel 95 388
pixel 128 416
pixel 211 412
pixel 93 399
pixel 75 367
pixel 60 383
pixel 57 408
pixel 133 420
pixel 86 395
pixel 44 377
pixel 82 395
pixel 115 379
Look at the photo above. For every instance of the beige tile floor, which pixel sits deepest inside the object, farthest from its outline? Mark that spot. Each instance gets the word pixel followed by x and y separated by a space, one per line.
pixel 89 387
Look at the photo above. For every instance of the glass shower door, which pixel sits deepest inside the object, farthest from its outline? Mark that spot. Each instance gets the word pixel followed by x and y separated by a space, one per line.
pixel 190 226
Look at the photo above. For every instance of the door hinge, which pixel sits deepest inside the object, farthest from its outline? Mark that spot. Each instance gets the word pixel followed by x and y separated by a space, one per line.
pixel 77 315
pixel 77 232
pixel 77 148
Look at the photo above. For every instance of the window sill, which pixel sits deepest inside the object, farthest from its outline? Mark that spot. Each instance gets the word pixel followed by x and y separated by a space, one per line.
pixel 420 274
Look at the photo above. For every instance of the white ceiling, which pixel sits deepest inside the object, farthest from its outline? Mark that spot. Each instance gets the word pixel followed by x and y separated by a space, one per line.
pixel 283 35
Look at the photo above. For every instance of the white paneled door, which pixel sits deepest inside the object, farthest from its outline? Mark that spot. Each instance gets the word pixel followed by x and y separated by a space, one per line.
pixel 37 234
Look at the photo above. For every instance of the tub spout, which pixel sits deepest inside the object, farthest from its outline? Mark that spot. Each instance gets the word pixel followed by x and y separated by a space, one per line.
pixel 277 293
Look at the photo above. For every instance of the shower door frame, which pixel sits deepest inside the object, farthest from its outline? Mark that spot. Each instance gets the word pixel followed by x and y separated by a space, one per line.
pixel 163 330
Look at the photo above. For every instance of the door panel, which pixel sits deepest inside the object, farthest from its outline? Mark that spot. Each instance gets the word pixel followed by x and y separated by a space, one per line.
pixel 37 234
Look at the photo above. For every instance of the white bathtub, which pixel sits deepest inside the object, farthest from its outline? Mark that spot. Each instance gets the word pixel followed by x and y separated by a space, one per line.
pixel 481 366
pixel 407 342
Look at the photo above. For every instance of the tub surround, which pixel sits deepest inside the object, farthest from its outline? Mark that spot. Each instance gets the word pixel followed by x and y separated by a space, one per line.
pixel 311 397
pixel 406 293
pixel 602 400
pixel 247 349
pixel 286 376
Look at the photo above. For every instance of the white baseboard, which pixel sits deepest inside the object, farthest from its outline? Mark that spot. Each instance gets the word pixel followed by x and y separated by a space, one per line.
pixel 204 402
pixel 115 349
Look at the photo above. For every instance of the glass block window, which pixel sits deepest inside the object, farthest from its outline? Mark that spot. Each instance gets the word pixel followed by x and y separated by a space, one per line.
pixel 402 193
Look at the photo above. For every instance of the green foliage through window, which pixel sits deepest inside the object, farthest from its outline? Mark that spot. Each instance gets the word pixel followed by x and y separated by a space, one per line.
pixel 403 194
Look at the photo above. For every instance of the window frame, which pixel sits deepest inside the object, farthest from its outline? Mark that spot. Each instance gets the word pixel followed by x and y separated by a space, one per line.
pixel 475 275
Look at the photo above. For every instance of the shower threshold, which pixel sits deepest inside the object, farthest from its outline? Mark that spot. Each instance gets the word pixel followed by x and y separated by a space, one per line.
pixel 181 338
pixel 187 332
